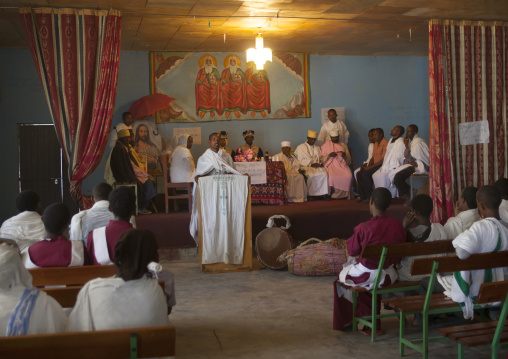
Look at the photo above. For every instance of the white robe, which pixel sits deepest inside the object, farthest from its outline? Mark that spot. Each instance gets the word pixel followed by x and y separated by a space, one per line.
pixel 46 317
pixel 317 178
pixel 370 150
pixel 420 151
pixel 328 126
pixel 25 228
pixel 458 224
pixel 86 221
pixel 297 189
pixel 209 163
pixel 485 236
pixel 182 165
pixel 112 303
pixel 437 233
pixel 394 158
pixel 503 211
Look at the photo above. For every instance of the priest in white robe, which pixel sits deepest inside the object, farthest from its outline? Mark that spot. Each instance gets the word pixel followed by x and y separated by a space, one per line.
pixel 416 160
pixel 213 162
pixel 309 156
pixel 26 227
pixel 333 124
pixel 182 163
pixel 393 159
pixel 296 189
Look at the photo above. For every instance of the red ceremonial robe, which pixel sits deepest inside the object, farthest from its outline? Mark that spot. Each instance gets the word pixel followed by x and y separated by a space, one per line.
pixel 258 91
pixel 379 229
pixel 233 90
pixel 207 91
pixel 113 231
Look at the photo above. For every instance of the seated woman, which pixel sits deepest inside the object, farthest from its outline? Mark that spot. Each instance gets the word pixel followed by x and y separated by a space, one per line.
pixel 182 163
pixel 24 309
pixel 131 300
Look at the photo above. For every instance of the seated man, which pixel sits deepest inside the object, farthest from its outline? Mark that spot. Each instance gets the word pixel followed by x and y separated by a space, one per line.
pixel 336 160
pixel 249 139
pixel 223 143
pixel 393 159
pixel 182 163
pixel 419 229
pixel 25 310
pixel 333 124
pixel 502 186
pixel 26 228
pixel 485 236
pixel 416 160
pixel 309 156
pixel 379 229
pixel 125 169
pixel 466 213
pixel 132 300
pixel 213 162
pixel 364 176
pixel 55 250
pixel 369 152
pixel 101 241
pixel 99 215
pixel 297 189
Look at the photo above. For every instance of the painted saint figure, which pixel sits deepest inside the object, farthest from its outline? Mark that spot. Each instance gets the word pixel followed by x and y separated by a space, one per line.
pixel 258 90
pixel 233 97
pixel 207 87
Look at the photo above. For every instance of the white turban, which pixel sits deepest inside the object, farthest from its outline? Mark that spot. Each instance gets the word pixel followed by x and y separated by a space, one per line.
pixel 334 133
pixel 285 144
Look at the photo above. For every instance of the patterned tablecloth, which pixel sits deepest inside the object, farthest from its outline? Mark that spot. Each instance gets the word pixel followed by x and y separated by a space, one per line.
pixel 273 191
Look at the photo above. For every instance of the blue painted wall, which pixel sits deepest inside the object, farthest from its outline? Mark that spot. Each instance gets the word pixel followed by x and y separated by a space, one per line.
pixel 377 91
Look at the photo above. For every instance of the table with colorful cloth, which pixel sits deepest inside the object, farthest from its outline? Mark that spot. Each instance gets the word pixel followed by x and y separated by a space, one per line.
pixel 273 192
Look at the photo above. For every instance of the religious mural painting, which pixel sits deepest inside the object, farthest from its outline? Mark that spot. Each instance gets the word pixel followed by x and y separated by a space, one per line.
pixel 221 86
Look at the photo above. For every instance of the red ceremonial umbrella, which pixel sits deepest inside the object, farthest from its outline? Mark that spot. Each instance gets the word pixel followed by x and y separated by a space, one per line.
pixel 147 105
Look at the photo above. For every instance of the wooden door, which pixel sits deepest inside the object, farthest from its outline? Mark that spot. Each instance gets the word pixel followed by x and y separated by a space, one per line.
pixel 41 165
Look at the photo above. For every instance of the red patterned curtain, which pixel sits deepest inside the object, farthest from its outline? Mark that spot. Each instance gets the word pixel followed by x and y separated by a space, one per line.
pixel 77 55
pixel 468 66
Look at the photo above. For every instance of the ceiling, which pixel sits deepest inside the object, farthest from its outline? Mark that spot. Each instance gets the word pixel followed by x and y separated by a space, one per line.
pixel 364 27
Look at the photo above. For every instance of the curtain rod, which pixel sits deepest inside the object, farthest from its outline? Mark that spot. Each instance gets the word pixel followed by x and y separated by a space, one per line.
pixel 275 16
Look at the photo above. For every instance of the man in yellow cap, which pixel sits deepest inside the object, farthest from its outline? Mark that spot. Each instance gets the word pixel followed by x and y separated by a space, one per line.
pixel 309 156
pixel 125 169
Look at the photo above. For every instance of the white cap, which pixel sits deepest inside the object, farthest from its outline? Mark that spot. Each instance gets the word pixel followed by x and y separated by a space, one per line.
pixel 334 133
pixel 285 144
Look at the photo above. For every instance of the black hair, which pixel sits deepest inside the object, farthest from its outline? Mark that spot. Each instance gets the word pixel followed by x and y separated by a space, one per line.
pixel 423 205
pixel 489 196
pixel 27 200
pixel 381 131
pixel 56 218
pixel 502 186
pixel 414 127
pixel 101 191
pixel 122 202
pixel 125 114
pixel 381 198
pixel 211 134
pixel 332 109
pixel 469 195
pixel 134 250
pixel 372 130
pixel 401 130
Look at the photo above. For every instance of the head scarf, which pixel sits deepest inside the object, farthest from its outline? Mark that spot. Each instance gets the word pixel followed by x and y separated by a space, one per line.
pixel 176 141
pixel 12 271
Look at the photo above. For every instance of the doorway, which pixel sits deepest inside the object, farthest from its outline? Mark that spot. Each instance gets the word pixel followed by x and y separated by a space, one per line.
pixel 42 167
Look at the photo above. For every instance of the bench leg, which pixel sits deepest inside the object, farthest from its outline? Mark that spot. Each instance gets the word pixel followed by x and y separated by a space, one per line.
pixel 402 329
pixel 374 316
pixel 461 351
pixel 355 321
pixel 425 338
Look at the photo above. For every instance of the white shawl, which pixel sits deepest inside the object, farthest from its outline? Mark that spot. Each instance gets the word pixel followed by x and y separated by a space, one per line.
pixel 394 156
pixel 308 154
pixel 420 151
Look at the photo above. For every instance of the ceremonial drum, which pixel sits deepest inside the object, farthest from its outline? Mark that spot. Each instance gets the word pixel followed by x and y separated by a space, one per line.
pixel 272 242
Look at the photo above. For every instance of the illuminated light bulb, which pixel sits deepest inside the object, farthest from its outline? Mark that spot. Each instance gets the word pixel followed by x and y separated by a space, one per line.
pixel 259 55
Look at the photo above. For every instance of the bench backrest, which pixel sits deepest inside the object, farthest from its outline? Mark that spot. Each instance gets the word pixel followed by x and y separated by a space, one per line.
pixel 398 250
pixel 455 264
pixel 67 296
pixel 492 292
pixel 70 275
pixel 150 342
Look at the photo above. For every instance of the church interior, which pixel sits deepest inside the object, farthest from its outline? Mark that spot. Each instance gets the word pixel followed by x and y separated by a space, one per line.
pixel 378 65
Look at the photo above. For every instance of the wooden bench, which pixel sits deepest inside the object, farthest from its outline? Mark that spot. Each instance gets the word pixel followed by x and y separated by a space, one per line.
pixel 382 252
pixel 103 344
pixel 70 275
pixel 430 304
pixel 493 333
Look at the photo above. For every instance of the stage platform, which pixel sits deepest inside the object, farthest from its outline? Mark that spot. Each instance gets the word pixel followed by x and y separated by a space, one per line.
pixel 318 219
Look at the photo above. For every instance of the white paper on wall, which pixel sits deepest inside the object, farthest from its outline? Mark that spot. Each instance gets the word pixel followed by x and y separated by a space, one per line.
pixel 195 132
pixel 471 133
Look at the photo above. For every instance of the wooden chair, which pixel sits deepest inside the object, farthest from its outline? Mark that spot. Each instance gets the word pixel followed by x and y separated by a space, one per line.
pixel 171 187
pixel 101 344
pixel 382 252
pixel 430 304
pixel 494 333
